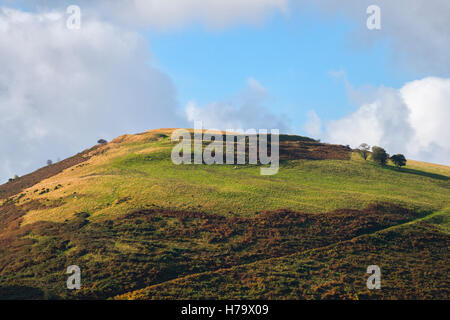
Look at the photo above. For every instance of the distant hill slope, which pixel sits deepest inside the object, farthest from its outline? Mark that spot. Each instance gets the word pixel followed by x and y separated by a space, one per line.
pixel 17 185
pixel 141 227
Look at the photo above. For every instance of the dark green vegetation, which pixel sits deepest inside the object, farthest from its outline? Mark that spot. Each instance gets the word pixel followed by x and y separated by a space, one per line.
pixel 413 262
pixel 153 246
pixel 398 160
pixel 379 155
pixel 140 227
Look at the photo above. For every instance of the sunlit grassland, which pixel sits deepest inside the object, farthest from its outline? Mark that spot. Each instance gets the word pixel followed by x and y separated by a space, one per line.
pixel 440 218
pixel 429 167
pixel 204 233
pixel 139 174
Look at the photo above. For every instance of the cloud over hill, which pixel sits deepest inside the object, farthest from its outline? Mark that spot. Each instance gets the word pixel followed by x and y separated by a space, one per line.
pixel 62 89
pixel 412 120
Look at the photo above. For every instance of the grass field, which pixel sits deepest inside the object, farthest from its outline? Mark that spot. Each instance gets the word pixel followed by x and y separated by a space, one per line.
pixel 138 174
pixel 141 227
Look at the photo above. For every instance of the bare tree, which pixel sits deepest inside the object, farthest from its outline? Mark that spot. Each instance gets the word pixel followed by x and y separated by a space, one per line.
pixel 363 150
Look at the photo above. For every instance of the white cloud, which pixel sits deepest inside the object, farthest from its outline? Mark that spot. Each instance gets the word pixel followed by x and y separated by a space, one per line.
pixel 417 30
pixel 413 120
pixel 213 13
pixel 169 14
pixel 61 89
pixel 313 125
pixel 429 104
pixel 245 111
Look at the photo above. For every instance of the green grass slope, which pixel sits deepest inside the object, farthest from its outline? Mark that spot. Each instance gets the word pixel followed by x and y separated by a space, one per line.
pixel 141 227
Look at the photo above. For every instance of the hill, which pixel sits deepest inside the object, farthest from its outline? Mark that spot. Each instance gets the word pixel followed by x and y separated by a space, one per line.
pixel 142 227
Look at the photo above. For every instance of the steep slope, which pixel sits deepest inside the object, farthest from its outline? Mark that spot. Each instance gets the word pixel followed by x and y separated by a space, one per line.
pixel 137 224
pixel 413 258
pixel 17 185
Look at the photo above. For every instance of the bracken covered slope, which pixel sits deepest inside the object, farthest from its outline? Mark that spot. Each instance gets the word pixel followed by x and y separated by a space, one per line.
pixel 141 227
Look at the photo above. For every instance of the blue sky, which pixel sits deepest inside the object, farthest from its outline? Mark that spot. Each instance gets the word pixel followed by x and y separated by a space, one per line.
pixel 294 58
pixel 305 67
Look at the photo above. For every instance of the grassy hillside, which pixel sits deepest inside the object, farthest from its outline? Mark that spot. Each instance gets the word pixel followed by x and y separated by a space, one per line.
pixel 141 227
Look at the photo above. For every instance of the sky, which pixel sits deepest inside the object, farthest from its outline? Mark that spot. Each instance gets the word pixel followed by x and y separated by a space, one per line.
pixel 304 67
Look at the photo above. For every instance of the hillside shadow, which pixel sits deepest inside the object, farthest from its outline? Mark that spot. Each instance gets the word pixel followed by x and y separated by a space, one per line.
pixel 17 292
pixel 419 173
